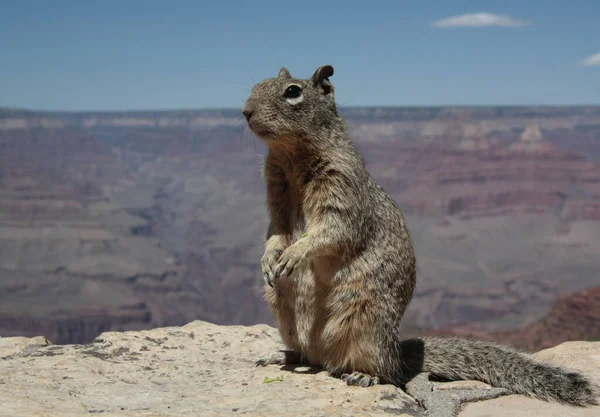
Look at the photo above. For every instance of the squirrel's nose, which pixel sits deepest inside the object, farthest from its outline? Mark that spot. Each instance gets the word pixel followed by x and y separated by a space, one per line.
pixel 248 110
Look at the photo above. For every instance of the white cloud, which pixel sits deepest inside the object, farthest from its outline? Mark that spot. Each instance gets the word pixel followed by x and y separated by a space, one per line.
pixel 592 60
pixel 479 20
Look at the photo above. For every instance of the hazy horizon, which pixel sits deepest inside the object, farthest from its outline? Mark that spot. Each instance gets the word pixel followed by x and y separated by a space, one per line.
pixel 238 109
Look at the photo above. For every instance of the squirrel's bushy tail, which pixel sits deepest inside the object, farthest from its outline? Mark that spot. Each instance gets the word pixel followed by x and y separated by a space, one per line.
pixel 500 366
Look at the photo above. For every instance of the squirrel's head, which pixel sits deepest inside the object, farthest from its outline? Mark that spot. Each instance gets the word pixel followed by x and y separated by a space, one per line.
pixel 286 107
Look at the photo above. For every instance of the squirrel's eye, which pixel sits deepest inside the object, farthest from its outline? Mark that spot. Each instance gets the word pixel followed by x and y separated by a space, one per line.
pixel 293 91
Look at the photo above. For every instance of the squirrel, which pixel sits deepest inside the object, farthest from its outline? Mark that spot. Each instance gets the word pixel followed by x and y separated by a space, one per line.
pixel 339 264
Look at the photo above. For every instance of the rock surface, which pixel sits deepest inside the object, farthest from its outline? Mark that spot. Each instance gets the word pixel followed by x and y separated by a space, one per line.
pixel 206 369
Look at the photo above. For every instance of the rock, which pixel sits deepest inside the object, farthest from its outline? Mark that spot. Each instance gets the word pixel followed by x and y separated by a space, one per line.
pixel 207 369
pixel 532 141
pixel 447 402
pixel 532 133
pixel 461 385
pixel 574 316
pixel 104 211
pixel 10 346
pixel 198 369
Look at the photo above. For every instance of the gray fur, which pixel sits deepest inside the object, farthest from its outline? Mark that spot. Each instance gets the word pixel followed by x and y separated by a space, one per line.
pixel 339 263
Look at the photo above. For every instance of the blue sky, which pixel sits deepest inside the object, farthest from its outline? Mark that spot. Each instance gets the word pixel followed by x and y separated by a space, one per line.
pixel 84 55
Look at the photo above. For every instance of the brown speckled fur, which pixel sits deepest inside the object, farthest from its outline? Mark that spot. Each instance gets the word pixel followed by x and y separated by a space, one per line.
pixel 339 263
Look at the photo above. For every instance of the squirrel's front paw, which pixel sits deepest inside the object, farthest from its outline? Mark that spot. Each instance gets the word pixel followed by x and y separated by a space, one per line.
pixel 290 259
pixel 268 263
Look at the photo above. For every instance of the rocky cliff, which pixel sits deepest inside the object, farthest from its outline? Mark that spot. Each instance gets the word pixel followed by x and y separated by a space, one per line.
pixel 572 317
pixel 132 220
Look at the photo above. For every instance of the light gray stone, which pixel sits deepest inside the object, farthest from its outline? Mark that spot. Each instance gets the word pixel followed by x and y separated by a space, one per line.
pixel 199 369
pixel 202 369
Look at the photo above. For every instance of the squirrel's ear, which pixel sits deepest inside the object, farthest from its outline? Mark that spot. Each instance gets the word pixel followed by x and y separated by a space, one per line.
pixel 321 76
pixel 284 73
